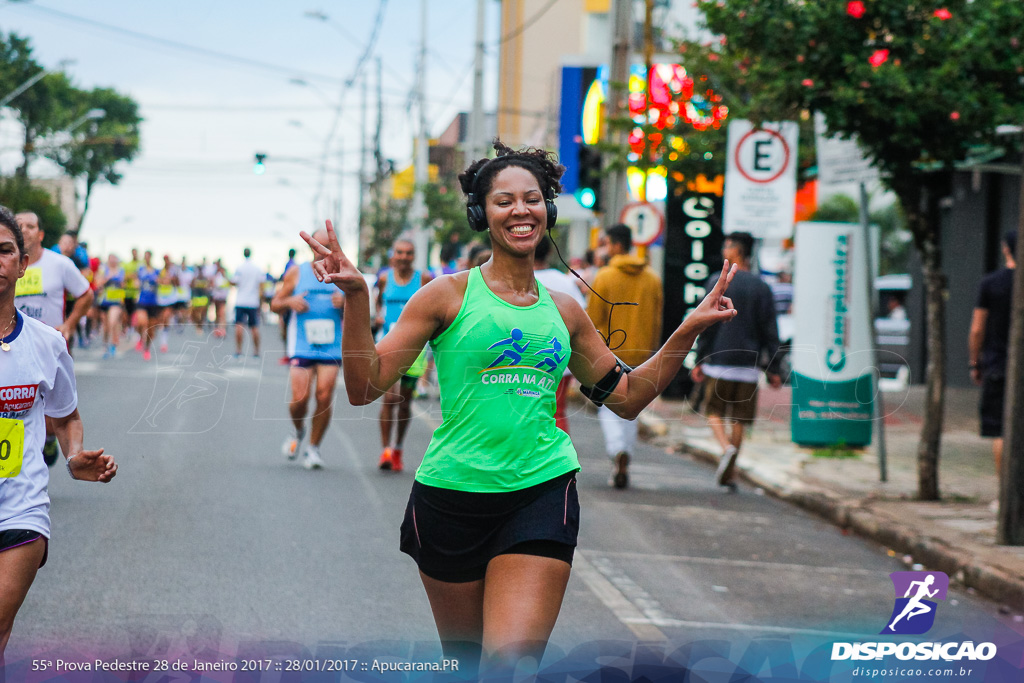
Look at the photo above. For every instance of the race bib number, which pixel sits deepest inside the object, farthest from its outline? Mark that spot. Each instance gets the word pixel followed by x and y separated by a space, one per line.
pixel 12 447
pixel 320 332
pixel 30 284
pixel 114 295
pixel 165 290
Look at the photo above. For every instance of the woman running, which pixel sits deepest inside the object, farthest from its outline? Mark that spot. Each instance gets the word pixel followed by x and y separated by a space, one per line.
pixel 493 516
pixel 36 381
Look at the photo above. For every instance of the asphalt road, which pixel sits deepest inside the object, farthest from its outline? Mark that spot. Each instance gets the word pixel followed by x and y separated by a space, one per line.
pixel 208 540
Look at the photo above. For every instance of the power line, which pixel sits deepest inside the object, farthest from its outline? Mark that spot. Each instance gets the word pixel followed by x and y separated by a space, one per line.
pixel 525 25
pixel 146 37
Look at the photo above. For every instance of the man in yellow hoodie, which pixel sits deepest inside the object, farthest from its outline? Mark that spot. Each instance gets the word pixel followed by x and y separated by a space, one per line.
pixel 632 332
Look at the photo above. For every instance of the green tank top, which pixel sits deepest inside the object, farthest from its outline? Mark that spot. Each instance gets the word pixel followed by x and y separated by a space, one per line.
pixel 498 366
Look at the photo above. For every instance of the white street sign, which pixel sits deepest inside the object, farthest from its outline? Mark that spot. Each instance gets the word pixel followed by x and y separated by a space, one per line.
pixel 760 179
pixel 645 220
pixel 840 161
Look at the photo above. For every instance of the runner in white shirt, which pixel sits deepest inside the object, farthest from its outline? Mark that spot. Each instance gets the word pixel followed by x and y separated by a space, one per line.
pixel 249 280
pixel 40 294
pixel 37 382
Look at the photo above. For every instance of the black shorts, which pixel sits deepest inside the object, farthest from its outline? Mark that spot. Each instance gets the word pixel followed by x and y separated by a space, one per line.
pixel 452 535
pixel 249 317
pixel 993 393
pixel 129 305
pixel 311 362
pixel 154 311
pixel 181 305
pixel 12 538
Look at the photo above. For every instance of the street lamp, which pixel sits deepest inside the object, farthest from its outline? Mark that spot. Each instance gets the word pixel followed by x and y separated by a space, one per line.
pixel 61 65
pixel 90 115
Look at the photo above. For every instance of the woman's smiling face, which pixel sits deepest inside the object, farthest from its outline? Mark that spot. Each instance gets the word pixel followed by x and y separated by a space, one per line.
pixel 516 211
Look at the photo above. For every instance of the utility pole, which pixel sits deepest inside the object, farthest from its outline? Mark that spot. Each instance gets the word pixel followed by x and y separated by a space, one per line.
pixel 476 146
pixel 418 210
pixel 362 171
pixel 614 185
pixel 1010 523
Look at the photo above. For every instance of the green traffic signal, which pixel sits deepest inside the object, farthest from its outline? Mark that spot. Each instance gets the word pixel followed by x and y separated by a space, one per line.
pixel 586 197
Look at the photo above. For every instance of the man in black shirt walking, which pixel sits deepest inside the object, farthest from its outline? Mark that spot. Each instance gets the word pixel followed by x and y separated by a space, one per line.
pixel 730 357
pixel 988 342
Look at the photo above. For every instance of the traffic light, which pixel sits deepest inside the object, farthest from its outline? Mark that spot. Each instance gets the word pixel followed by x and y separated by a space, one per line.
pixel 588 191
pixel 259 168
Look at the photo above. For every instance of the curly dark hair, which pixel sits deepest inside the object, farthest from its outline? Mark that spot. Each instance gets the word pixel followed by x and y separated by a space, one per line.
pixel 8 221
pixel 479 176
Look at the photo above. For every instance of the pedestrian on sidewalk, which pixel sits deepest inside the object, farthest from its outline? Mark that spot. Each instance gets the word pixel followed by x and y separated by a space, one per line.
pixel 634 332
pixel 988 342
pixel 493 517
pixel 730 357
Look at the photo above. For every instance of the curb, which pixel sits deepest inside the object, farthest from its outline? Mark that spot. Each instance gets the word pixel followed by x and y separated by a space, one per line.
pixel 851 514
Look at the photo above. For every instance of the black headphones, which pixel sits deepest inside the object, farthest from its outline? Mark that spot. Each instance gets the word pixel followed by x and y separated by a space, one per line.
pixel 476 215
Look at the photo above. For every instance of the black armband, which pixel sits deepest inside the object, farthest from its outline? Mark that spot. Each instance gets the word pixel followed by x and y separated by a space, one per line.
pixel 606 385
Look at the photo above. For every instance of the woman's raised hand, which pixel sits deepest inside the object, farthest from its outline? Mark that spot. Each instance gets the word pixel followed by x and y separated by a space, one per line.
pixel 716 306
pixel 331 264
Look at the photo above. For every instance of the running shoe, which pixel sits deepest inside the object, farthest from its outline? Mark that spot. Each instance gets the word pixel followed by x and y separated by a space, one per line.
pixel 283 360
pixel 110 352
pixel 385 459
pixel 311 458
pixel 723 475
pixel 138 344
pixel 620 471
pixel 146 355
pixel 50 451
pixel 290 447
pixel 163 348
pixel 396 459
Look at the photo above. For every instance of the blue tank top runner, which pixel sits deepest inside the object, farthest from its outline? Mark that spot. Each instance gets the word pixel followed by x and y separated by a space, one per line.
pixel 397 296
pixel 315 334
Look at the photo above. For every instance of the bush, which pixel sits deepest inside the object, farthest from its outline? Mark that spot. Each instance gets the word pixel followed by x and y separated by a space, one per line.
pixel 17 194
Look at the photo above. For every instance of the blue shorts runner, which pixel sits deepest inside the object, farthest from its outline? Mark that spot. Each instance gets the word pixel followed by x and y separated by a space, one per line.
pixel 247 316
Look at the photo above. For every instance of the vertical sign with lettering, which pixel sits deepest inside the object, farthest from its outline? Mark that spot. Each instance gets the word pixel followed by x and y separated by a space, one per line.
pixel 833 383
pixel 693 246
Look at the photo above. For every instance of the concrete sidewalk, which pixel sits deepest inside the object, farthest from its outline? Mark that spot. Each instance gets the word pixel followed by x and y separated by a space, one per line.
pixel 955 535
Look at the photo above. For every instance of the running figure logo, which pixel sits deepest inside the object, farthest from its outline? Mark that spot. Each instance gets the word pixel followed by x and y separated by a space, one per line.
pixel 914 612
pixel 513 354
pixel 549 364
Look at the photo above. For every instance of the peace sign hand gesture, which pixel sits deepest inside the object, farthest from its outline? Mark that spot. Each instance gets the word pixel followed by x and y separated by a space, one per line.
pixel 716 307
pixel 332 266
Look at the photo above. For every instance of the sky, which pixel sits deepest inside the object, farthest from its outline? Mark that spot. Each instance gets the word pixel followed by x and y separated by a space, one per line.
pixel 260 76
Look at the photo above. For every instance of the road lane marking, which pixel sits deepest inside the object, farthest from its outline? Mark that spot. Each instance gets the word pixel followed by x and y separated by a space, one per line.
pixel 753 628
pixel 751 564
pixel 614 599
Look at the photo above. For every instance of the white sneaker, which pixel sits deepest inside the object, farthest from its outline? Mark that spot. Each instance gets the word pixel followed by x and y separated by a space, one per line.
pixel 311 458
pixel 290 447
pixel 725 465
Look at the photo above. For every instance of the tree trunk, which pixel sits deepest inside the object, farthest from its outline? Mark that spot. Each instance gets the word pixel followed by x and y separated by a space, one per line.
pixel 921 204
pixel 89 182
pixel 26 153
pixel 929 447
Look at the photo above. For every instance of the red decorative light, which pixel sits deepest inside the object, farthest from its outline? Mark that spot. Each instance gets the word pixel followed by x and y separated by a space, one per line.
pixel 878 58
pixel 855 9
pixel 942 14
pixel 807 83
pixel 954 116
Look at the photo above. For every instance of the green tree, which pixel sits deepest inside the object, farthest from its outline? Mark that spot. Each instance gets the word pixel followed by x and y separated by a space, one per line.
pixel 919 83
pixel 96 148
pixel 17 194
